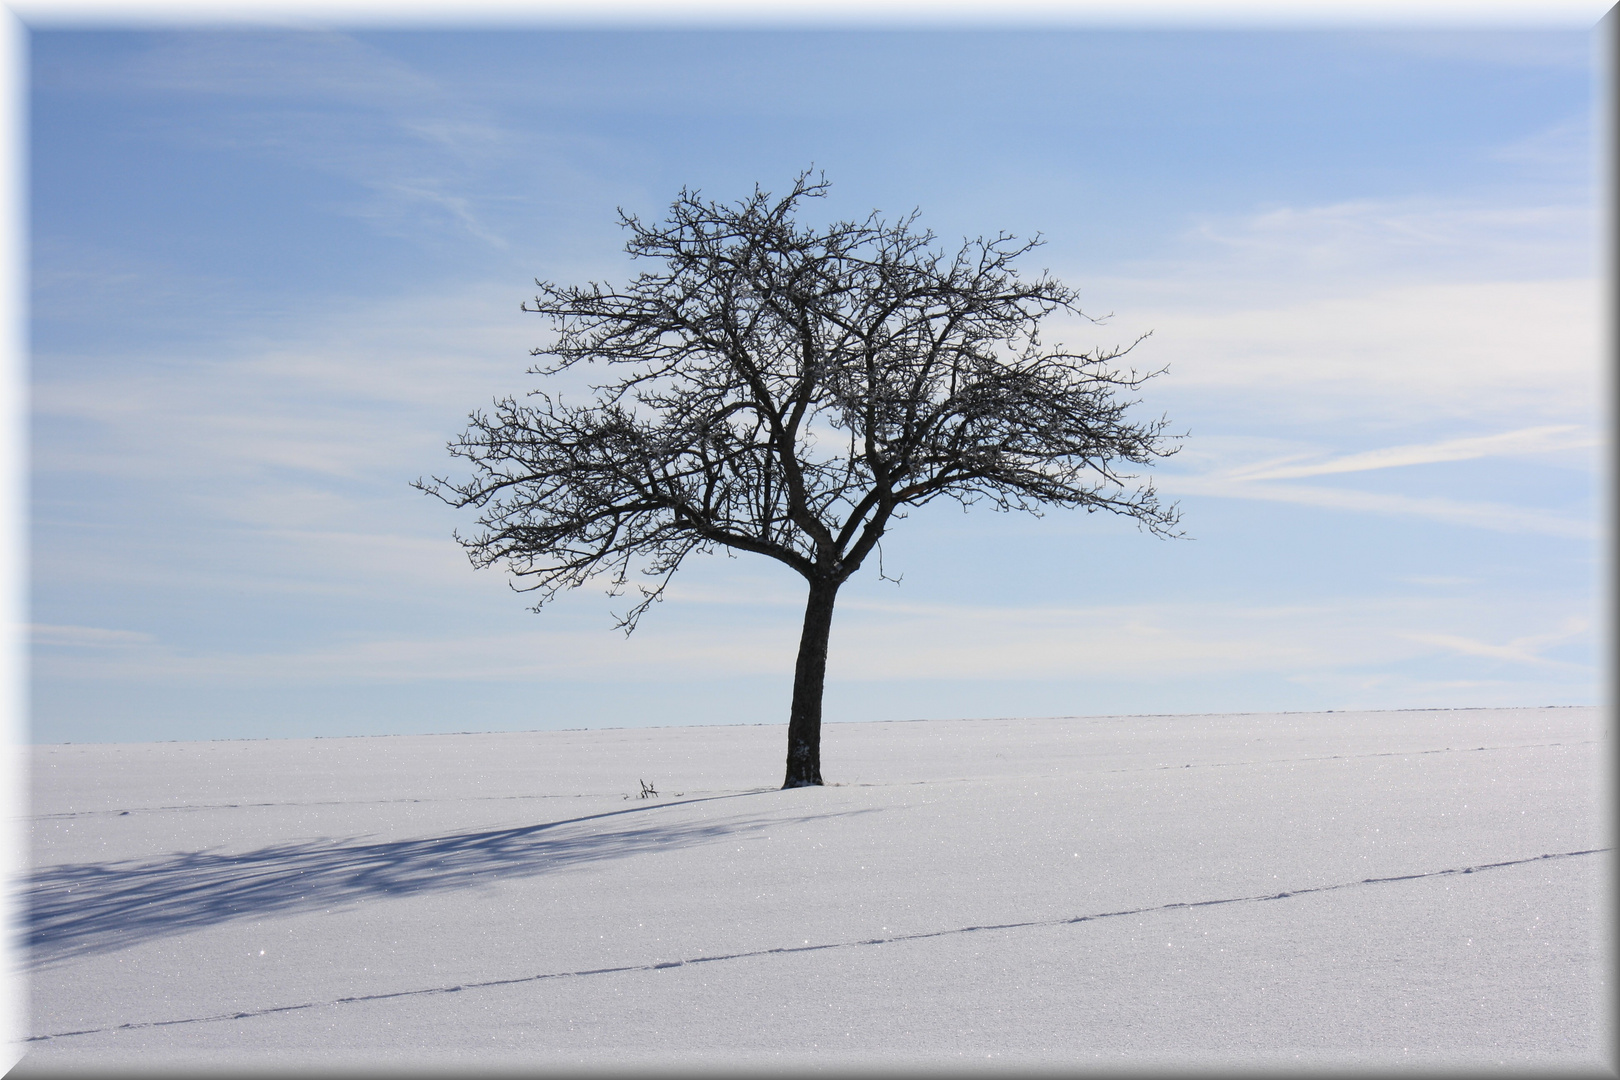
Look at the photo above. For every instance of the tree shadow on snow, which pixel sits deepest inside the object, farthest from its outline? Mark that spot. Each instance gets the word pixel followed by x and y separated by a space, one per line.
pixel 78 909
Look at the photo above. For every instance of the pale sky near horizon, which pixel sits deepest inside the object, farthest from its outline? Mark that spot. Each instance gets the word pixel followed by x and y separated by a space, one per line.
pixel 274 270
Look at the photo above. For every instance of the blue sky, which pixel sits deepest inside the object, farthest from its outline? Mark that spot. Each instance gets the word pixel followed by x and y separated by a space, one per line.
pixel 273 271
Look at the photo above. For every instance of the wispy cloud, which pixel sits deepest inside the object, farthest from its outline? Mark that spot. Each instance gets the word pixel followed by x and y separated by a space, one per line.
pixel 1266 358
pixel 400 198
pixel 1531 440
pixel 1565 149
pixel 358 390
pixel 1520 650
pixel 1257 480
pixel 86 637
pixel 887 641
pixel 1507 47
pixel 1483 515
pixel 1413 239
pixel 419 150
pixel 311 65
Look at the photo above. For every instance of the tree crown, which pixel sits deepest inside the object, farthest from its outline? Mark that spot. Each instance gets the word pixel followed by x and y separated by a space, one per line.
pixel 790 391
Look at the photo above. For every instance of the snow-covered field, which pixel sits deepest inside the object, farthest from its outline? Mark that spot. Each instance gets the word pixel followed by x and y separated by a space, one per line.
pixel 1388 888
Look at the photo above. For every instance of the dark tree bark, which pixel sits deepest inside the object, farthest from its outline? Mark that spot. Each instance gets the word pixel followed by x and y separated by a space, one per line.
pixel 809 677
pixel 789 391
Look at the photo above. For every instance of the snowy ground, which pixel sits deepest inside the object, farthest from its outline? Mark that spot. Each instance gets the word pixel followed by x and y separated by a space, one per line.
pixel 1347 889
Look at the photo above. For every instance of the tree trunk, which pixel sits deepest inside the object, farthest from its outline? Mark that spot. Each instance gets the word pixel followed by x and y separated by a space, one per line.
pixel 804 722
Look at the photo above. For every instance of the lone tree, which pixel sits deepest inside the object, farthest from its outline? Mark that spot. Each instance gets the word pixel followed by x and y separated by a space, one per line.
pixel 790 392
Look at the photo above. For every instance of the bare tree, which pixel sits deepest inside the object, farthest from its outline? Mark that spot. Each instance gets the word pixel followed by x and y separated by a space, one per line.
pixel 790 392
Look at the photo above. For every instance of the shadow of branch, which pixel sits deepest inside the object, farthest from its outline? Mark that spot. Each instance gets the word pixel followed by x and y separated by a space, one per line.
pixel 78 909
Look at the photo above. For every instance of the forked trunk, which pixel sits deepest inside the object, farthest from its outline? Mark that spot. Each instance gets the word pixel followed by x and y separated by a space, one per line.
pixel 804 722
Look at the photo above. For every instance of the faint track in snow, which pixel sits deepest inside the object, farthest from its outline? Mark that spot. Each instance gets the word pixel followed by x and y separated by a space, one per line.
pixel 1237 764
pixel 721 793
pixel 728 792
pixel 1358 757
pixel 272 1010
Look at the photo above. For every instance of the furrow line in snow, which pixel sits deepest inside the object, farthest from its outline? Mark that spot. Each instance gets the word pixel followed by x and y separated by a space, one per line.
pixel 750 791
pixel 272 1010
pixel 368 802
pixel 1357 757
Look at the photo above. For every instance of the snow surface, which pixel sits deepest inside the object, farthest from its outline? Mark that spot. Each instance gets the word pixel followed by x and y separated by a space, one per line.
pixel 1385 888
